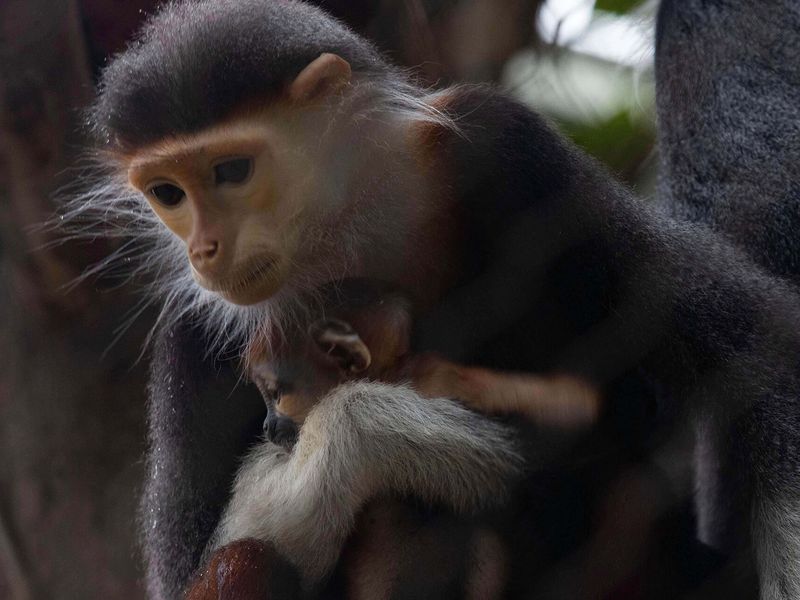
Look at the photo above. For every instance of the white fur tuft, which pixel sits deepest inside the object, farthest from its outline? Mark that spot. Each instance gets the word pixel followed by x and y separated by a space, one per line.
pixel 776 536
pixel 364 440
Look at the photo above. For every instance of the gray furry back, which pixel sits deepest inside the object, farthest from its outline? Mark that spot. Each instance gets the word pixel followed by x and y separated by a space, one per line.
pixel 728 83
pixel 728 79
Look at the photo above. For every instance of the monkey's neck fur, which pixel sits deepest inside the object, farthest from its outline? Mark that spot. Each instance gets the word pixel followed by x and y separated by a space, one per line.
pixel 383 222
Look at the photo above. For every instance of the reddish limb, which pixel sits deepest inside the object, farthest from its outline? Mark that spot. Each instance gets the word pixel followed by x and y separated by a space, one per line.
pixel 552 400
pixel 245 570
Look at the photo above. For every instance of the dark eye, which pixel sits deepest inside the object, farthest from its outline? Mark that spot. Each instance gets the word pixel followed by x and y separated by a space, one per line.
pixel 167 194
pixel 236 170
pixel 283 387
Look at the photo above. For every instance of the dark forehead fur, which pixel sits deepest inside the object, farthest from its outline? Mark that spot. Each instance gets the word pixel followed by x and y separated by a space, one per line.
pixel 197 60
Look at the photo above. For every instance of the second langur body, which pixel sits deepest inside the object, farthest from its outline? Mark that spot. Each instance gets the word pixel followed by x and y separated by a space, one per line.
pixel 310 159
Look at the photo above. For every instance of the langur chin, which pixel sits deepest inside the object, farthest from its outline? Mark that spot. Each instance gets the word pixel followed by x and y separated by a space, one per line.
pixel 256 293
pixel 246 288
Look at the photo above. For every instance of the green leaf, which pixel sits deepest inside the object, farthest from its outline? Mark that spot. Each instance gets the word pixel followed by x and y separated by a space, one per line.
pixel 616 6
pixel 622 142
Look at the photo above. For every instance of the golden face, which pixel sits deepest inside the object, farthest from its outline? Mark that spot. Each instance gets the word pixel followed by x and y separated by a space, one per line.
pixel 234 195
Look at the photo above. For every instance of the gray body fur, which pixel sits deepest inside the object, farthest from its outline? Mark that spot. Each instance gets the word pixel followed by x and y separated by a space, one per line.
pixel 728 83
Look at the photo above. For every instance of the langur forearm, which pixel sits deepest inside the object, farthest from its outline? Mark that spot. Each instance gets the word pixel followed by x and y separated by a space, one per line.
pixel 561 401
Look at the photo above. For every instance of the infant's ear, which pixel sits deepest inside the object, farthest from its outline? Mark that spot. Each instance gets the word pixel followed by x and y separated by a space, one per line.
pixel 322 76
pixel 340 344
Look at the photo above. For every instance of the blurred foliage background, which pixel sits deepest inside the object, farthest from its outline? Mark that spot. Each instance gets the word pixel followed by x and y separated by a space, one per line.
pixel 72 404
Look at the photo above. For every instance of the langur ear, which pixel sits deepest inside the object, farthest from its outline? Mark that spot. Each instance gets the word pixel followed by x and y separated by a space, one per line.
pixel 323 76
pixel 340 343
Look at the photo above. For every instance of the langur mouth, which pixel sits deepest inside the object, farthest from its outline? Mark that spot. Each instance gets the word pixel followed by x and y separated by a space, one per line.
pixel 256 280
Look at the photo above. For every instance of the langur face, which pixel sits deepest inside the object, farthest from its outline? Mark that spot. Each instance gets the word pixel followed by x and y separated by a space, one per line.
pixel 234 196
pixel 238 194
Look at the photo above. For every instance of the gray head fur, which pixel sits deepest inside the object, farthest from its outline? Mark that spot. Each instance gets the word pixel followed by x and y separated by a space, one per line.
pixel 197 60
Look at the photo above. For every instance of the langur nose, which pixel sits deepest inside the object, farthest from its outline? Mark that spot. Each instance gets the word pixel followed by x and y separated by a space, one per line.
pixel 202 254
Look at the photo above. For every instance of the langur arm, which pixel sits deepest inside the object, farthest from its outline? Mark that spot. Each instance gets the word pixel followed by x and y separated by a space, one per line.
pixel 361 441
pixel 562 401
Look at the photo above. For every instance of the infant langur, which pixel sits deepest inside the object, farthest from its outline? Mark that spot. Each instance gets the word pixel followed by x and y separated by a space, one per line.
pixel 366 335
pixel 363 336
pixel 361 441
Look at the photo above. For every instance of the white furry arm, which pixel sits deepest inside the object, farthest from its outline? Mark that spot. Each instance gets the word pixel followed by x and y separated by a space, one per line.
pixel 362 440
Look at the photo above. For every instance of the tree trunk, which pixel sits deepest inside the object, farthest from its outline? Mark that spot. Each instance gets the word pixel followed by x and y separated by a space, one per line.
pixel 71 417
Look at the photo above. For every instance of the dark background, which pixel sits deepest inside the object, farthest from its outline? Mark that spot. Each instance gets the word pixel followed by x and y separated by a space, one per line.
pixel 71 401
